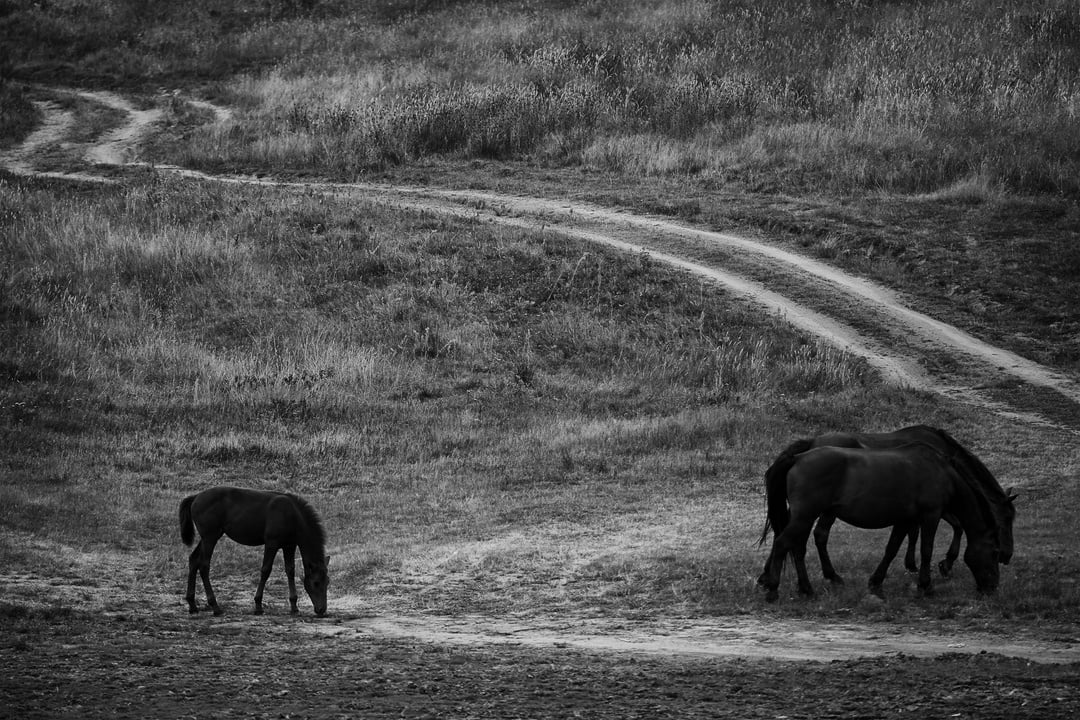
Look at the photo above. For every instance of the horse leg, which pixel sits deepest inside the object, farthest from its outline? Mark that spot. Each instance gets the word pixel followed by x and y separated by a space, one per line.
pixel 763 578
pixel 194 563
pixel 798 558
pixel 946 565
pixel 793 537
pixel 821 540
pixel 909 556
pixel 929 530
pixel 877 579
pixel 269 552
pixel 207 544
pixel 289 553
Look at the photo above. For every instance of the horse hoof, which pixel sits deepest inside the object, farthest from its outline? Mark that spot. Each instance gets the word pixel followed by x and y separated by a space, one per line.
pixel 877 591
pixel 772 596
pixel 217 610
pixel 836 580
pixel 258 611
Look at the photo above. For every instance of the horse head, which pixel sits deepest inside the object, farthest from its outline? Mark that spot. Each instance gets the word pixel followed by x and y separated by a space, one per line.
pixel 981 557
pixel 1005 524
pixel 316 581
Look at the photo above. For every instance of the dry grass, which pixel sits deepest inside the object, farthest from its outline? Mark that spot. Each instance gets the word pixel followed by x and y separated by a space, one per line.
pixel 487 419
pixel 800 95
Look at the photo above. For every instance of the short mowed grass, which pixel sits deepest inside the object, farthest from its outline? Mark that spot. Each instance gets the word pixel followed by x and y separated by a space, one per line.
pixel 489 420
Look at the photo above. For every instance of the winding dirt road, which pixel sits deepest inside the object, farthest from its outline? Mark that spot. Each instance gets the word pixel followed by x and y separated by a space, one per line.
pixel 901 340
pixel 894 351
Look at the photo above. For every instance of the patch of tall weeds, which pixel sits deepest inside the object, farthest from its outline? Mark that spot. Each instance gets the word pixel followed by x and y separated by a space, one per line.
pixel 843 96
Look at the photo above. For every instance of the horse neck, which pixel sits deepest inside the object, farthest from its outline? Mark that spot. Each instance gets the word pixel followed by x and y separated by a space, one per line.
pixel 309 535
pixel 311 550
pixel 979 472
pixel 972 508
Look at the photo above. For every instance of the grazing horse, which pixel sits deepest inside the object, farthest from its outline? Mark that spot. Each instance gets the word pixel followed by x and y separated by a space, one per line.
pixel 1001 500
pixel 278 521
pixel 904 488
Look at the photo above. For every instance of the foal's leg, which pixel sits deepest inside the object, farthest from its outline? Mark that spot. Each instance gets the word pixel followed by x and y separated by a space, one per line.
pixel 194 563
pixel 206 545
pixel 289 553
pixel 821 540
pixel 896 539
pixel 269 551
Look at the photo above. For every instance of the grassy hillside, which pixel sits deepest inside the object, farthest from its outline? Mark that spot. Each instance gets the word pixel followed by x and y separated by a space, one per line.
pixel 535 422
pixel 931 146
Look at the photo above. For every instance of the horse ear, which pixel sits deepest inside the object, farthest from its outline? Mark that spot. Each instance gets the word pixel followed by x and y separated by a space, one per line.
pixel 1011 494
pixel 328 561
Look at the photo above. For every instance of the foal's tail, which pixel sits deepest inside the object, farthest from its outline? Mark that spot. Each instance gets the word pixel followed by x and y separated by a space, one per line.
pixel 776 507
pixel 187 527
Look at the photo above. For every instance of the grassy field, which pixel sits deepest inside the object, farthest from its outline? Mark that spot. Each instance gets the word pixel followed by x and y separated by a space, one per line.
pixel 532 421
pixel 495 420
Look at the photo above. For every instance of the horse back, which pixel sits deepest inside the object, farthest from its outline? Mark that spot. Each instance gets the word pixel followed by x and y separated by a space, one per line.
pixel 242 514
pixel 870 487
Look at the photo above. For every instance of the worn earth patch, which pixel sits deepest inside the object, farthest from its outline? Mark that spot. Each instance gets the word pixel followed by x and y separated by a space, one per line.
pixel 70 664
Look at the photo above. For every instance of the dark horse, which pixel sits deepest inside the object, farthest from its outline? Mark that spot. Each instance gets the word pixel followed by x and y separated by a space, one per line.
pixel 255 517
pixel 903 488
pixel 1001 500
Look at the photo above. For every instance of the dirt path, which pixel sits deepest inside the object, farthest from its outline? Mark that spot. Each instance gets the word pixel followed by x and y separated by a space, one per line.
pixel 749 637
pixel 899 361
pixel 730 637
pixel 109 586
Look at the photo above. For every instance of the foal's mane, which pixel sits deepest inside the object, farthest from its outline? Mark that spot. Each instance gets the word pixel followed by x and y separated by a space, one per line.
pixel 317 533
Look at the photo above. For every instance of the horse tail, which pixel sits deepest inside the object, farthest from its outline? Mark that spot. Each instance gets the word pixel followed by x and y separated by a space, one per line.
pixel 187 527
pixel 776 508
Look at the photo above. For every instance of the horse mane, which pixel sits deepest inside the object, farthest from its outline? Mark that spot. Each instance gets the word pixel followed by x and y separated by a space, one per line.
pixel 978 491
pixel 314 523
pixel 974 466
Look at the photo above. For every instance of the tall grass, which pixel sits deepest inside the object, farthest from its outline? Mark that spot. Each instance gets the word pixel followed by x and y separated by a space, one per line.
pixel 900 97
pixel 793 95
